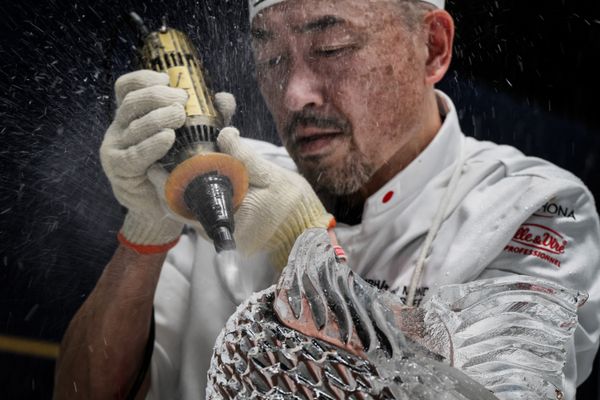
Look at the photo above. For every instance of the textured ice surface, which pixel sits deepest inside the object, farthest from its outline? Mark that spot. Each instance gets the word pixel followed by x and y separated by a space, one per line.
pixel 325 333
pixel 509 333
pixel 257 357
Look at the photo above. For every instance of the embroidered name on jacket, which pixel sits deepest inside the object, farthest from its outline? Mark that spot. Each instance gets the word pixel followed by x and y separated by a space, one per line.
pixel 550 210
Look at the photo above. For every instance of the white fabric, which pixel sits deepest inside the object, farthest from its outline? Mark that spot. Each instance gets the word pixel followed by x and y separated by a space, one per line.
pixel 500 192
pixel 436 224
pixel 257 6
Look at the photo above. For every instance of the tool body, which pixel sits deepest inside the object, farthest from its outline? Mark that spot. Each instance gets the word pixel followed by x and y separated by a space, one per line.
pixel 203 184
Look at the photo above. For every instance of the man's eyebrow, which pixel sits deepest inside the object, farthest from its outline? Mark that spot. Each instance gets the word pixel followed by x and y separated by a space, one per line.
pixel 320 24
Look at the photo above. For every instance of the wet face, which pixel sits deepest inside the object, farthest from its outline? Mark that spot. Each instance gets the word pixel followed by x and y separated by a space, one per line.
pixel 345 83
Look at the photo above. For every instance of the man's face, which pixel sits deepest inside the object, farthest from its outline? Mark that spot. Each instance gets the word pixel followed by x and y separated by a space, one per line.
pixel 345 83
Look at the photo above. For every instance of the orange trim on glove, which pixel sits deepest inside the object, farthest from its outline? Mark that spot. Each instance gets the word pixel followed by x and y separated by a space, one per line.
pixel 340 254
pixel 146 248
pixel 332 224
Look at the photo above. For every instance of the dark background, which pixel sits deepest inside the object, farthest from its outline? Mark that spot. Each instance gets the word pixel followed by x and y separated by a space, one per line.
pixel 523 74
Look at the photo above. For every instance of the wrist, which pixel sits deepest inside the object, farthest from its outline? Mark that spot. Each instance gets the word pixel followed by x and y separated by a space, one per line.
pixel 147 235
pixel 300 219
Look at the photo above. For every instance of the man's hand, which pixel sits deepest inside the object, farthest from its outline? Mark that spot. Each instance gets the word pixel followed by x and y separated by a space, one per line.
pixel 141 134
pixel 280 204
pixel 278 207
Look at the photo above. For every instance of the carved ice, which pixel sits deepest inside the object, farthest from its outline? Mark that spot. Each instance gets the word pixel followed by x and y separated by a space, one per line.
pixel 509 334
pixel 325 333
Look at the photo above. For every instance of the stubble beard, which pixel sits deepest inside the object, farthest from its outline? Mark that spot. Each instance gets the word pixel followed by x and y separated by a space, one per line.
pixel 345 177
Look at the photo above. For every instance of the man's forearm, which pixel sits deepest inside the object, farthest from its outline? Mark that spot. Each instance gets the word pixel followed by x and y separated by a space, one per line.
pixel 102 350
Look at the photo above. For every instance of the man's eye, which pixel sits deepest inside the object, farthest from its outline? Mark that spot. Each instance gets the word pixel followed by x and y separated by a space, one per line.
pixel 332 51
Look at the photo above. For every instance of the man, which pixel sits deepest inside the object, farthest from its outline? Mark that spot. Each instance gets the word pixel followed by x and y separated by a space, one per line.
pixel 350 85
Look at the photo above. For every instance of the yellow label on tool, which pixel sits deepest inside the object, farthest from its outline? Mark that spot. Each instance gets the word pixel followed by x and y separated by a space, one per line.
pixel 179 77
pixel 167 41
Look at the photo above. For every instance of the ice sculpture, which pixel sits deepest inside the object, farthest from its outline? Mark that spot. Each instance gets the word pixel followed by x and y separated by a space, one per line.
pixel 324 333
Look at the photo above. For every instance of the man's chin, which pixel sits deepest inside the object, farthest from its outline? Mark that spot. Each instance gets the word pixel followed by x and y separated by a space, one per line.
pixel 336 181
pixel 321 162
pixel 338 173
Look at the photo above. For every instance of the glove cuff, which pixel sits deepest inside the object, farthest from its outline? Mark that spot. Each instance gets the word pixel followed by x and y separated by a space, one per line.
pixel 147 236
pixel 305 216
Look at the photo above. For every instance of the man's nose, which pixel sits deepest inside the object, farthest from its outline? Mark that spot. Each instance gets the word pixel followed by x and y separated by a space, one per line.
pixel 304 88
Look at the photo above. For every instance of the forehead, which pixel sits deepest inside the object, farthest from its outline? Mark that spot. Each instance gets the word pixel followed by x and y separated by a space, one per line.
pixel 296 15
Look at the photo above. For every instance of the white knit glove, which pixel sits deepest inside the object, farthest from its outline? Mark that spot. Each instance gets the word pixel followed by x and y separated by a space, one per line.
pixel 279 206
pixel 141 133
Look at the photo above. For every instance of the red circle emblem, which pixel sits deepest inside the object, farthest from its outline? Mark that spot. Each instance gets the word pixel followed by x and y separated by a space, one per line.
pixel 388 196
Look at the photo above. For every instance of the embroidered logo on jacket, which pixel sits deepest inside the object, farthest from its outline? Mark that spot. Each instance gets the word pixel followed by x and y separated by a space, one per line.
pixel 540 237
pixel 539 241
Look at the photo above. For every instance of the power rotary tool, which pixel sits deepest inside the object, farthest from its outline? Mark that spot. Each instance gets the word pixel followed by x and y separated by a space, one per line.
pixel 203 184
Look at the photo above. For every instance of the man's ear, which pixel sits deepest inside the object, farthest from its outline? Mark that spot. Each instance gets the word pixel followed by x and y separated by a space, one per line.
pixel 439 28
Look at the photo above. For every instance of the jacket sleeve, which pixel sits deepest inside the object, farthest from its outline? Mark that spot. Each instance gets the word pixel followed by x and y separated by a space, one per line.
pixel 170 310
pixel 560 242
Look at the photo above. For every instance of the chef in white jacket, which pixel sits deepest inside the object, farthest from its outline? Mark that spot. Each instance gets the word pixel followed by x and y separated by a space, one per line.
pixel 417 204
pixel 502 205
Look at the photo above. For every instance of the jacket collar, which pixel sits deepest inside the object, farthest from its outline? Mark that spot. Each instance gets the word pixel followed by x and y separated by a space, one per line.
pixel 443 152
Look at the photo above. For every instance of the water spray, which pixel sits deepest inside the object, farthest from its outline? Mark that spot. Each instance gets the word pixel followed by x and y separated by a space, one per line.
pixel 203 184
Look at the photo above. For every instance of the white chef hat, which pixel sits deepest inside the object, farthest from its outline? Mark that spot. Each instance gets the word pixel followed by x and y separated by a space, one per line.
pixel 257 5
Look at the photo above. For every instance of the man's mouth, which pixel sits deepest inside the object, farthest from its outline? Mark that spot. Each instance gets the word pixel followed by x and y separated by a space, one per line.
pixel 311 141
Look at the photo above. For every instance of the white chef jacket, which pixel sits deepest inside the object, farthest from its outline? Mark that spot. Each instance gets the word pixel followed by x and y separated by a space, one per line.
pixel 509 214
